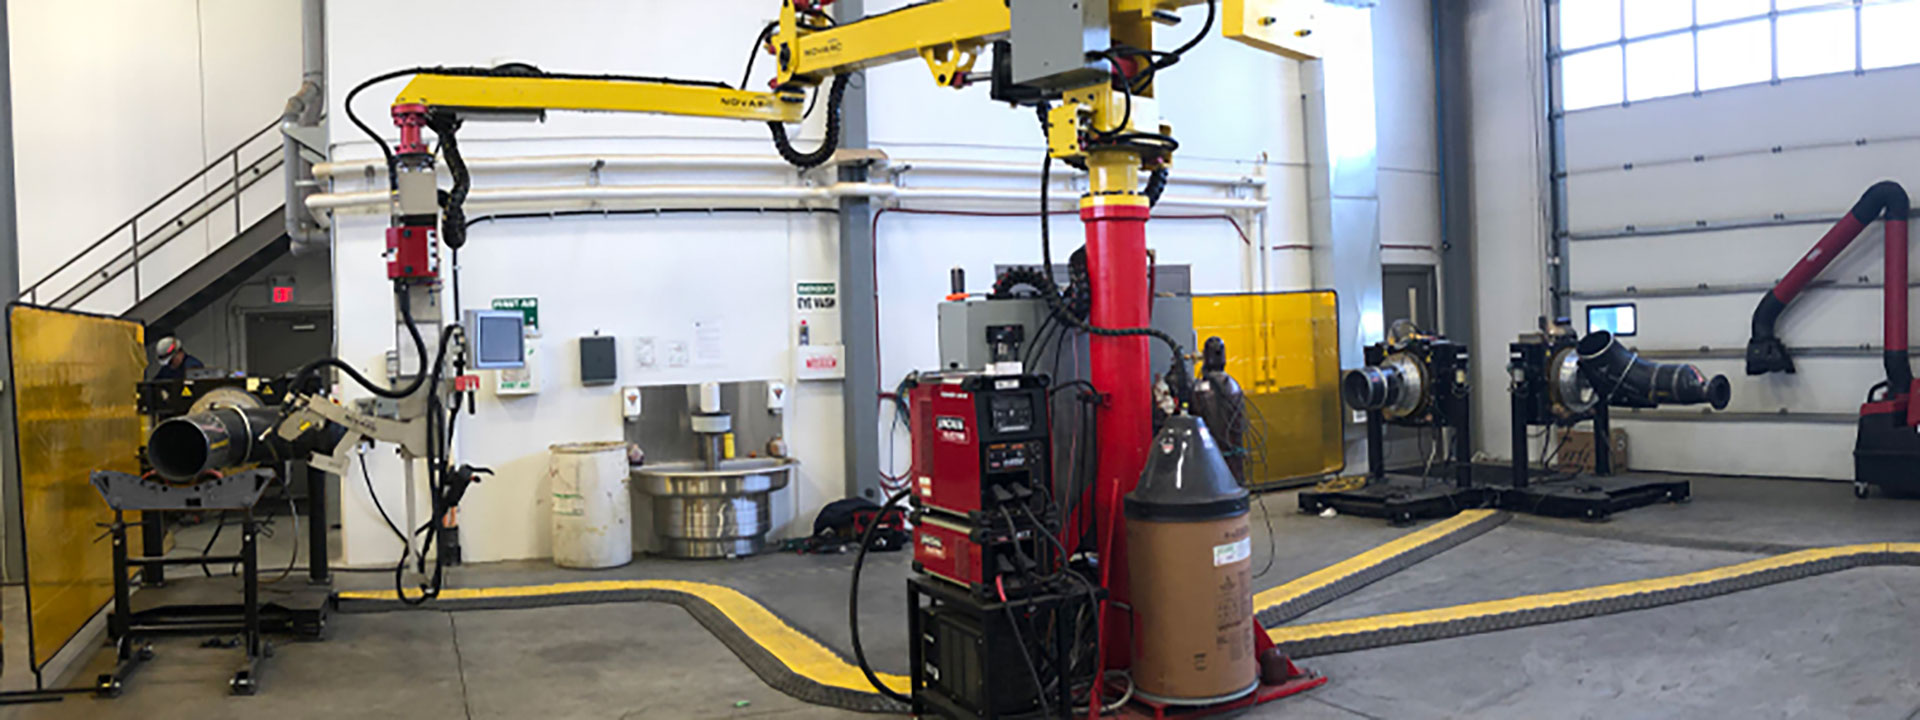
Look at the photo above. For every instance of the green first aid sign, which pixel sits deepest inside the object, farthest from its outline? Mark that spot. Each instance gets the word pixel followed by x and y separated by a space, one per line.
pixel 529 308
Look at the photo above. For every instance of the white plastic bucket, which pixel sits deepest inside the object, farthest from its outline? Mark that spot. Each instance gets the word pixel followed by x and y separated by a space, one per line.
pixel 592 509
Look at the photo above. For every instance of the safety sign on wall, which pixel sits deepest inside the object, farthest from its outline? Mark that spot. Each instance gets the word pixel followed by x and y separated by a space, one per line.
pixel 811 297
pixel 529 308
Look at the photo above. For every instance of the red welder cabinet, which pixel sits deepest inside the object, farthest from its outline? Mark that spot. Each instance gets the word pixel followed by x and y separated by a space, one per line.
pixel 981 447
pixel 985 559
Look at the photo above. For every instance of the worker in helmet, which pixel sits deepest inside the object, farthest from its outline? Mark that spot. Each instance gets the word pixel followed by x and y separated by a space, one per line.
pixel 174 360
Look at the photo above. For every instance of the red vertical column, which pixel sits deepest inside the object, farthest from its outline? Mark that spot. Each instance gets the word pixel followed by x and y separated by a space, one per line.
pixel 1117 265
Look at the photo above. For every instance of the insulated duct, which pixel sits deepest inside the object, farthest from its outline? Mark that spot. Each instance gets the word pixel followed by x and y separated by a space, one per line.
pixel 184 448
pixel 303 111
pixel 1624 379
pixel 1765 352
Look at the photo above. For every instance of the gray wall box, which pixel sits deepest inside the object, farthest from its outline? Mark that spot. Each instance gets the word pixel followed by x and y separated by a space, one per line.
pixel 598 363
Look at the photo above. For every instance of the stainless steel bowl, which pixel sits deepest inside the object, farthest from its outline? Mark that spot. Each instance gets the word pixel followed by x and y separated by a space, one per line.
pixel 710 513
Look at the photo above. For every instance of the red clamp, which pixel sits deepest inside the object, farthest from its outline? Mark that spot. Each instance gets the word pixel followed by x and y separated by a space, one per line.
pixel 466 383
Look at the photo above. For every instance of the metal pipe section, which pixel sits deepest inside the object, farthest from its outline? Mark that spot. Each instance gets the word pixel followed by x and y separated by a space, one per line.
pixel 1625 379
pixel 592 194
pixel 615 162
pixel 187 447
pixel 1766 353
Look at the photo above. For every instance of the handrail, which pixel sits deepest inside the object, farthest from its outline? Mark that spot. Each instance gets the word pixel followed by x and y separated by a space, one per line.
pixel 265 164
pixel 225 158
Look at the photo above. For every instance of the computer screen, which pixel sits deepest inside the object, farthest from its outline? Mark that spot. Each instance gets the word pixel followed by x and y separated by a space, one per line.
pixel 1620 319
pixel 497 338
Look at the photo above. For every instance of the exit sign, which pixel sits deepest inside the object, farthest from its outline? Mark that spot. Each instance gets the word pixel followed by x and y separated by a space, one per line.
pixel 282 294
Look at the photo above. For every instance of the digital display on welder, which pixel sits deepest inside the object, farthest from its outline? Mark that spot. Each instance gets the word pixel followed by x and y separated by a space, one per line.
pixel 1011 413
pixel 1621 319
pixel 1013 456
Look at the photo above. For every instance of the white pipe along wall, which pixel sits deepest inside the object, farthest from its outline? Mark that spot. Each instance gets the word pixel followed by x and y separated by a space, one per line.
pixel 1236 111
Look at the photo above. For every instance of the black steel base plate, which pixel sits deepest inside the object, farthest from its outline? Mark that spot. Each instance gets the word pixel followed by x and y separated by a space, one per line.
pixel 1593 497
pixel 1398 499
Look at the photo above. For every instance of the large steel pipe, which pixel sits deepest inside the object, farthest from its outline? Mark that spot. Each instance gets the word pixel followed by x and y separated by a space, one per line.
pixel 189 446
pixel 1625 379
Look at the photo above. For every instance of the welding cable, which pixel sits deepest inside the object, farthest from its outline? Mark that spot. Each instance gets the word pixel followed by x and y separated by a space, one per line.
pixel 1020 641
pixel 312 369
pixel 406 543
pixel 453 201
pixel 853 600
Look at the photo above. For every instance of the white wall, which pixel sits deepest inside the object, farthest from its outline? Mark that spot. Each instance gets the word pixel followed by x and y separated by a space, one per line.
pixel 117 101
pixel 1235 110
pixel 1507 129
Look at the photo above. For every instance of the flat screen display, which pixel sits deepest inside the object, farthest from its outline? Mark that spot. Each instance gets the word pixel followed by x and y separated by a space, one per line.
pixel 1620 319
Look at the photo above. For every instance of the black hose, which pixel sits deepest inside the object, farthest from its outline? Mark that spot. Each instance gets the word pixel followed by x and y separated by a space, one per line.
pixel 853 600
pixel 828 144
pixel 419 345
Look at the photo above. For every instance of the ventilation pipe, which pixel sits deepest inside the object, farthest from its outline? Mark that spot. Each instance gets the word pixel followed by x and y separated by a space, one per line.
pixel 1765 352
pixel 303 112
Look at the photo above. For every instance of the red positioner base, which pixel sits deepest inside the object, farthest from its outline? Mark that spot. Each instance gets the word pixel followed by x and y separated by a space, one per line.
pixel 1299 682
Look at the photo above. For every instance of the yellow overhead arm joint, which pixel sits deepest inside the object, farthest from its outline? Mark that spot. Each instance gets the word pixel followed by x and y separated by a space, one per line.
pixel 513 94
pixel 948 34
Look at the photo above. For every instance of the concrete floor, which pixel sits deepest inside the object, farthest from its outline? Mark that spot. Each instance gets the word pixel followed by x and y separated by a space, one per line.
pixel 1841 645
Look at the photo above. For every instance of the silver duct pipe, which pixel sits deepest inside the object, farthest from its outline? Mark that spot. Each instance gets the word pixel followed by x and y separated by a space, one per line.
pixel 303 112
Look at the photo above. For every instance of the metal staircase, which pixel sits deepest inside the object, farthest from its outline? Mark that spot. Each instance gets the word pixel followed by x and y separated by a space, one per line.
pixel 138 271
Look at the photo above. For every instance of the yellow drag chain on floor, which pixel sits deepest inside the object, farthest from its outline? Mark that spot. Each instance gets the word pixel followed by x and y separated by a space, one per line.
pixel 1419 626
pixel 801 666
pixel 786 658
pixel 1279 605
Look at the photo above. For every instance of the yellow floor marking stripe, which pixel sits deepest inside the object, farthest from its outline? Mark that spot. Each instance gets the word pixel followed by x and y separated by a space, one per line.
pixel 1294 633
pixel 803 655
pixel 1331 574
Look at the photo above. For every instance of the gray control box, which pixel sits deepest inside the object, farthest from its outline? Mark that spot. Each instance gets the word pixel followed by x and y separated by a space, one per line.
pixel 1051 39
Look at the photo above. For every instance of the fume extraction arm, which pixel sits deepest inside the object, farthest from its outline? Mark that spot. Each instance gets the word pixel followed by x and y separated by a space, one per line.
pixel 1886 199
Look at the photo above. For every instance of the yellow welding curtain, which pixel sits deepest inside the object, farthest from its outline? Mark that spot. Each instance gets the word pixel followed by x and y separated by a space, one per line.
pixel 74 380
pixel 1284 349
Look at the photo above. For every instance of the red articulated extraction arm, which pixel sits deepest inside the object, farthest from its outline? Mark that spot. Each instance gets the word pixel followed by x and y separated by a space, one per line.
pixel 1765 352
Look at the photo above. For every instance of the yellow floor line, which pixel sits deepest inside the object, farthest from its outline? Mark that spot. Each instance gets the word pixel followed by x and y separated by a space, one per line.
pixel 1327 576
pixel 1296 633
pixel 803 655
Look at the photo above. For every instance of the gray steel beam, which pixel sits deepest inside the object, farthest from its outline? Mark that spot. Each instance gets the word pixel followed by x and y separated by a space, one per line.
pixel 12 542
pixel 1455 150
pixel 858 294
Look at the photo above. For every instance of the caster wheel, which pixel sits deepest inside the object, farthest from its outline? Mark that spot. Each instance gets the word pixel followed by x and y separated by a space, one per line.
pixel 108 686
pixel 146 652
pixel 1861 490
pixel 242 685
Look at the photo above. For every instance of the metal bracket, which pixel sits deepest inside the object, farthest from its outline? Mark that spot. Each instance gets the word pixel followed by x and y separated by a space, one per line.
pixel 951 62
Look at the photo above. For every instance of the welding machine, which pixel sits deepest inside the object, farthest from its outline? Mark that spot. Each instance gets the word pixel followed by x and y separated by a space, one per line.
pixel 986 559
pixel 980 446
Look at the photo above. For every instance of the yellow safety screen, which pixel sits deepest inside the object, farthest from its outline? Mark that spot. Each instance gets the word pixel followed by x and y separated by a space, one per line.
pixel 74 380
pixel 1284 349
